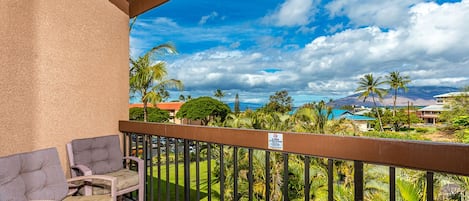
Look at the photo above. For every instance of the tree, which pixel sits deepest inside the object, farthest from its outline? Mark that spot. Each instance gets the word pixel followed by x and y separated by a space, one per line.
pixel 154 114
pixel 279 102
pixel 204 109
pixel 312 117
pixel 149 80
pixel 397 81
pixel 182 98
pixel 219 94
pixel 369 86
pixel 236 104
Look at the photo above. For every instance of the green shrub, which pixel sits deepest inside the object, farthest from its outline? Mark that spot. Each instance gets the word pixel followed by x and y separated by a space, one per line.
pixel 154 114
pixel 394 135
pixel 421 130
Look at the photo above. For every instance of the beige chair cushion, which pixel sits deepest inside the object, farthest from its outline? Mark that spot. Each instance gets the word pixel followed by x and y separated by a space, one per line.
pixel 125 179
pixel 89 198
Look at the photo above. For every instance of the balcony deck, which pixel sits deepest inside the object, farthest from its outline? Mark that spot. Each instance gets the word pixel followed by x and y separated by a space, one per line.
pixel 431 157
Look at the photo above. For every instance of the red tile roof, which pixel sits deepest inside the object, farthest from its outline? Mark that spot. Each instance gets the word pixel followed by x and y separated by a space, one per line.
pixel 163 106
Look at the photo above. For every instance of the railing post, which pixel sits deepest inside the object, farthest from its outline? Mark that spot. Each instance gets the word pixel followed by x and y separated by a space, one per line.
pixel 392 183
pixel 358 180
pixel 250 175
pixel 168 195
pixel 330 180
pixel 285 177
pixel 430 186
pixel 150 140
pixel 158 155
pixel 197 170
pixel 187 179
pixel 307 163
pixel 235 173
pixel 209 172
pixel 222 174
pixel 145 164
pixel 176 168
pixel 267 175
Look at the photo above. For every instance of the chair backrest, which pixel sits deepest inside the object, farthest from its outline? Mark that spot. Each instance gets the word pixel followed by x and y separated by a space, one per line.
pixel 34 175
pixel 101 154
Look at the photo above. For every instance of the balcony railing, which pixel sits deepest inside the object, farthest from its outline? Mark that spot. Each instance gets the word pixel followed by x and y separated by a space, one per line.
pixel 159 142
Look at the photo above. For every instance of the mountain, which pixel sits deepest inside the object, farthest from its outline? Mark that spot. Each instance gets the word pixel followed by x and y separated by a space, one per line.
pixel 417 96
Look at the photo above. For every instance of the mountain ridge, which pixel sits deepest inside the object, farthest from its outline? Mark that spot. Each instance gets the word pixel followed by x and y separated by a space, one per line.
pixel 416 95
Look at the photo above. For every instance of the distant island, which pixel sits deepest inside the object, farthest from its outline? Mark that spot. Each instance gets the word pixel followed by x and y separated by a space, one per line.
pixel 417 96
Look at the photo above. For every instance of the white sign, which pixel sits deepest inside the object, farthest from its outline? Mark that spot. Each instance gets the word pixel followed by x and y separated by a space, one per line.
pixel 275 141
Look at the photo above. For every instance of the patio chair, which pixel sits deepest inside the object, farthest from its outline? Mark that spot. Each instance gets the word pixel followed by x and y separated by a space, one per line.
pixel 38 175
pixel 103 156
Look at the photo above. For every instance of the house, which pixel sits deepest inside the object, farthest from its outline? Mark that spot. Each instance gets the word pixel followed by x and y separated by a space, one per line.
pixel 429 114
pixel 361 121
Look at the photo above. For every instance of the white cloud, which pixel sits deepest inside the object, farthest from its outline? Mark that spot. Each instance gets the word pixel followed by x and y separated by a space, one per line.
pixel 389 13
pixel 292 13
pixel 427 42
pixel 431 48
pixel 205 18
pixel 440 30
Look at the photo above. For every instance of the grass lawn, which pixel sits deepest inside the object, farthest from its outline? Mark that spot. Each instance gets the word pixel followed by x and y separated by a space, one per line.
pixel 172 182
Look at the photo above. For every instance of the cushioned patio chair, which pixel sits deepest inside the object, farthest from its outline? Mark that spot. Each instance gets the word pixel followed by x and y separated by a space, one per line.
pixel 103 156
pixel 38 175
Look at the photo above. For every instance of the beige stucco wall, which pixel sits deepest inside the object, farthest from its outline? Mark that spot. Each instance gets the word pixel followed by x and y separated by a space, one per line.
pixel 63 74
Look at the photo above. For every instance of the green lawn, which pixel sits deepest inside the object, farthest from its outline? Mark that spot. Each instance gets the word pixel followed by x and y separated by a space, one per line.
pixel 172 182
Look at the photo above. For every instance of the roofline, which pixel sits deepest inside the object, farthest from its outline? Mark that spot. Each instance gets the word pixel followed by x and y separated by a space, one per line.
pixel 136 7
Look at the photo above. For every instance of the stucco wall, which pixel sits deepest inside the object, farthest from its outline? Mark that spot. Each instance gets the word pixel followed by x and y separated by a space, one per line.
pixel 63 74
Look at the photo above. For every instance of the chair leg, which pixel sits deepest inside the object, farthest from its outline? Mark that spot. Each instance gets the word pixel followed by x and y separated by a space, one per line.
pixel 140 194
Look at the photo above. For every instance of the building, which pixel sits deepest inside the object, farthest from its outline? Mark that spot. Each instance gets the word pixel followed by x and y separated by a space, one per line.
pixel 171 107
pixel 64 71
pixel 361 121
pixel 429 114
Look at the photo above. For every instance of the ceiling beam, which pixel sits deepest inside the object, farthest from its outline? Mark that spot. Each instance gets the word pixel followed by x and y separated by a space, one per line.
pixel 137 7
pixel 122 5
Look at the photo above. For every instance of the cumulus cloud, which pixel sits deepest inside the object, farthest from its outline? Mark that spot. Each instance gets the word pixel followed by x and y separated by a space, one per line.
pixel 390 13
pixel 430 48
pixel 292 13
pixel 426 41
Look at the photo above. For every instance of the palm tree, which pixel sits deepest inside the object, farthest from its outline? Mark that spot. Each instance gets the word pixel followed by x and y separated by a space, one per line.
pixel 396 81
pixel 219 94
pixel 369 86
pixel 149 80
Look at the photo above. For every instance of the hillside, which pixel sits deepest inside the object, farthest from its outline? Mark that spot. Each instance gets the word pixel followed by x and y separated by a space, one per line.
pixel 418 96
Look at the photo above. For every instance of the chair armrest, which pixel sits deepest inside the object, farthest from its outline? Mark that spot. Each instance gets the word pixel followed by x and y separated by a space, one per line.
pixel 141 171
pixel 133 158
pixel 113 181
pixel 83 169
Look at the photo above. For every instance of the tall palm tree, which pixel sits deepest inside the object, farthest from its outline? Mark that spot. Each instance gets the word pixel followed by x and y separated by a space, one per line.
pixel 397 81
pixel 149 80
pixel 369 86
pixel 219 94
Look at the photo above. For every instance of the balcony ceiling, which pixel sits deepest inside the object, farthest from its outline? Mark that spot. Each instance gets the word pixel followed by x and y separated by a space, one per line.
pixel 137 7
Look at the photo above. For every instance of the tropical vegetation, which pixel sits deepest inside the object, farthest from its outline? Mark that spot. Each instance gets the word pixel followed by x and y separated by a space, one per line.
pixel 370 86
pixel 148 78
pixel 204 109
pixel 315 117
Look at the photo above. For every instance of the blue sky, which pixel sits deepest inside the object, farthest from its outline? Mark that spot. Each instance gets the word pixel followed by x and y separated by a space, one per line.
pixel 314 49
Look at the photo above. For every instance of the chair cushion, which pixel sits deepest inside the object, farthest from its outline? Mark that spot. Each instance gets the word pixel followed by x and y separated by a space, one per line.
pixel 32 176
pixel 125 179
pixel 101 154
pixel 89 198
